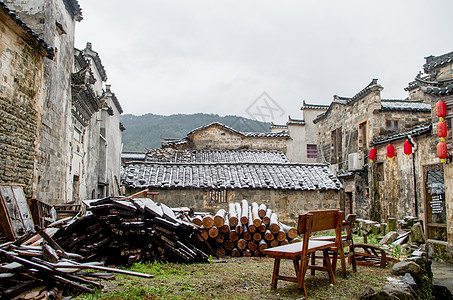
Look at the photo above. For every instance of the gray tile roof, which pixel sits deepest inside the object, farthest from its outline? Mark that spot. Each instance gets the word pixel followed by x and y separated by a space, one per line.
pixel 133 155
pixel 373 85
pixel 295 121
pixel 438 91
pixel 405 105
pixel 314 106
pixel 433 62
pixel 231 176
pixel 169 155
pixel 34 36
pixel 414 131
pixel 249 134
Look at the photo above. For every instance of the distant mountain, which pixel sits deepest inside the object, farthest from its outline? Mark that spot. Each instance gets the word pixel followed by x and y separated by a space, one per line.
pixel 144 132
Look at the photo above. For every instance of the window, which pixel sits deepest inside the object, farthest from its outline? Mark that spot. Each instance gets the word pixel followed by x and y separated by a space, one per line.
pixel 215 196
pixel 336 149
pixel 363 142
pixel 312 151
pixel 392 125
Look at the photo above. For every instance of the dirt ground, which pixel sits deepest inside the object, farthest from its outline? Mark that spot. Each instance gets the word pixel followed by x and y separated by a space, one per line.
pixel 235 278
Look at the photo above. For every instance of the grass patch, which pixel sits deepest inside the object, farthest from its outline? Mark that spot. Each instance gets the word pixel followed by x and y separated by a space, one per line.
pixel 235 278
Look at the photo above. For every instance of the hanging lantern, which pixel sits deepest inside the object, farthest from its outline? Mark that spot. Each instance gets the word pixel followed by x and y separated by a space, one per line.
pixel 442 151
pixel 442 130
pixel 390 151
pixel 373 154
pixel 441 110
pixel 407 148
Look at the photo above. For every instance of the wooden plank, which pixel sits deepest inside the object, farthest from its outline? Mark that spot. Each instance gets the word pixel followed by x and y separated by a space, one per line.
pixel 14 220
pixel 24 210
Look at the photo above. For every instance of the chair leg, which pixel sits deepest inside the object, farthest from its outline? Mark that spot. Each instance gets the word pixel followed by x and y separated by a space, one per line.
pixel 329 266
pixel 343 261
pixel 296 266
pixel 352 257
pixel 313 263
pixel 301 275
pixel 275 274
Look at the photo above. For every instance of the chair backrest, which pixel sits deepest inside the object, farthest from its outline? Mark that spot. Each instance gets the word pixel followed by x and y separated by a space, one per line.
pixel 320 220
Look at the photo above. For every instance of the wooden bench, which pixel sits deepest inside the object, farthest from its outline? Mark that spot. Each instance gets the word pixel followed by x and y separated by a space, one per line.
pixel 299 253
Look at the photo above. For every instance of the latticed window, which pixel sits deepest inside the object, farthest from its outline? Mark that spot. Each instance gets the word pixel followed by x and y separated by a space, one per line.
pixel 312 151
pixel 215 196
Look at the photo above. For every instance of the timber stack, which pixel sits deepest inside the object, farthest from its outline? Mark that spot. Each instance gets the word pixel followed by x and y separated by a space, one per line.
pixel 245 230
pixel 123 231
pixel 34 267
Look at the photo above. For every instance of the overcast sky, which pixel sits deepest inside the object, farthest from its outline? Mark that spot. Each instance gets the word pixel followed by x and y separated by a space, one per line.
pixel 167 57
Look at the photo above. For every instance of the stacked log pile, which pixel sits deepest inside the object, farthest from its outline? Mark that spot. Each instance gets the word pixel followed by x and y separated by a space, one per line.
pixel 125 231
pixel 245 230
pixel 43 270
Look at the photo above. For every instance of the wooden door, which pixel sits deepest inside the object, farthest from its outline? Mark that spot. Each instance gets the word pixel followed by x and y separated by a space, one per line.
pixel 435 207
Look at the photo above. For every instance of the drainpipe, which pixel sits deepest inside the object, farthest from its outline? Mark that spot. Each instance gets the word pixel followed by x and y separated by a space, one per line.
pixel 414 148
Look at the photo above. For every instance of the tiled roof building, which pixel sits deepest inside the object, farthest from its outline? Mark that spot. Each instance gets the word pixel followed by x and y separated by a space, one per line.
pixel 190 178
pixel 222 137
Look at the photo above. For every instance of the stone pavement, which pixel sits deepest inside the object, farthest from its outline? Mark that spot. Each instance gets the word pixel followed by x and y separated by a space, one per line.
pixel 443 274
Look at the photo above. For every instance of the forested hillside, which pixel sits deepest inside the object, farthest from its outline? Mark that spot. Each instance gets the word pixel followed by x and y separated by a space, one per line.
pixel 144 132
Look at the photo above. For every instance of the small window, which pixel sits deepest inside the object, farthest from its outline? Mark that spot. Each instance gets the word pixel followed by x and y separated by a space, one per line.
pixel 215 196
pixel 312 151
pixel 392 125
pixel 363 139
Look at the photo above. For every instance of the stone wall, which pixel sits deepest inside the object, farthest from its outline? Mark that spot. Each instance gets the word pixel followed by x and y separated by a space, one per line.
pixel 288 204
pixel 217 137
pixel 53 22
pixel 347 118
pixel 20 93
pixel 395 184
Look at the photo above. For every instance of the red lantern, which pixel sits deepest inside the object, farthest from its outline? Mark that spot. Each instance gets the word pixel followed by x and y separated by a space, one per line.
pixel 441 109
pixel 390 151
pixel 373 154
pixel 442 130
pixel 442 151
pixel 407 148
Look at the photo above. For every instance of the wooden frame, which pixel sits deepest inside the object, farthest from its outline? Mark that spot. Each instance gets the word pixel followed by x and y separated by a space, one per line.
pixel 299 253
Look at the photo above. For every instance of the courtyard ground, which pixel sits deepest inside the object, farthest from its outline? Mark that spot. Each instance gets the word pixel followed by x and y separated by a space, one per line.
pixel 235 278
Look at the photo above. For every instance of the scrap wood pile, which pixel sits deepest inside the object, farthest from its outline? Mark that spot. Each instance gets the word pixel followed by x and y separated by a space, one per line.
pixel 245 230
pixel 124 231
pixel 38 268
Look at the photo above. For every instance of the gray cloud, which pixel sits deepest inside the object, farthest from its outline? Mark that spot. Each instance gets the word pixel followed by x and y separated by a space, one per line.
pixel 216 56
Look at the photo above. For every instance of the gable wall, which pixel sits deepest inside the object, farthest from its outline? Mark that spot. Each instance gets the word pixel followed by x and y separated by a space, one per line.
pixel 217 137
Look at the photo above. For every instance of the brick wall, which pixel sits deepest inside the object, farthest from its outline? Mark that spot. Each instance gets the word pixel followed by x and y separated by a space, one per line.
pixel 54 122
pixel 20 92
pixel 288 204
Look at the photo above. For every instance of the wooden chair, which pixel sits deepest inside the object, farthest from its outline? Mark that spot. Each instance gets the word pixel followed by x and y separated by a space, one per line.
pixel 299 253
pixel 347 242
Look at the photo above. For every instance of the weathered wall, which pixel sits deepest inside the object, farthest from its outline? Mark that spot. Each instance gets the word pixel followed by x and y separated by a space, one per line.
pixel 296 145
pixel 21 78
pixel 287 204
pixel 114 146
pixel 347 117
pixel 217 137
pixel 54 126
pixel 396 188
